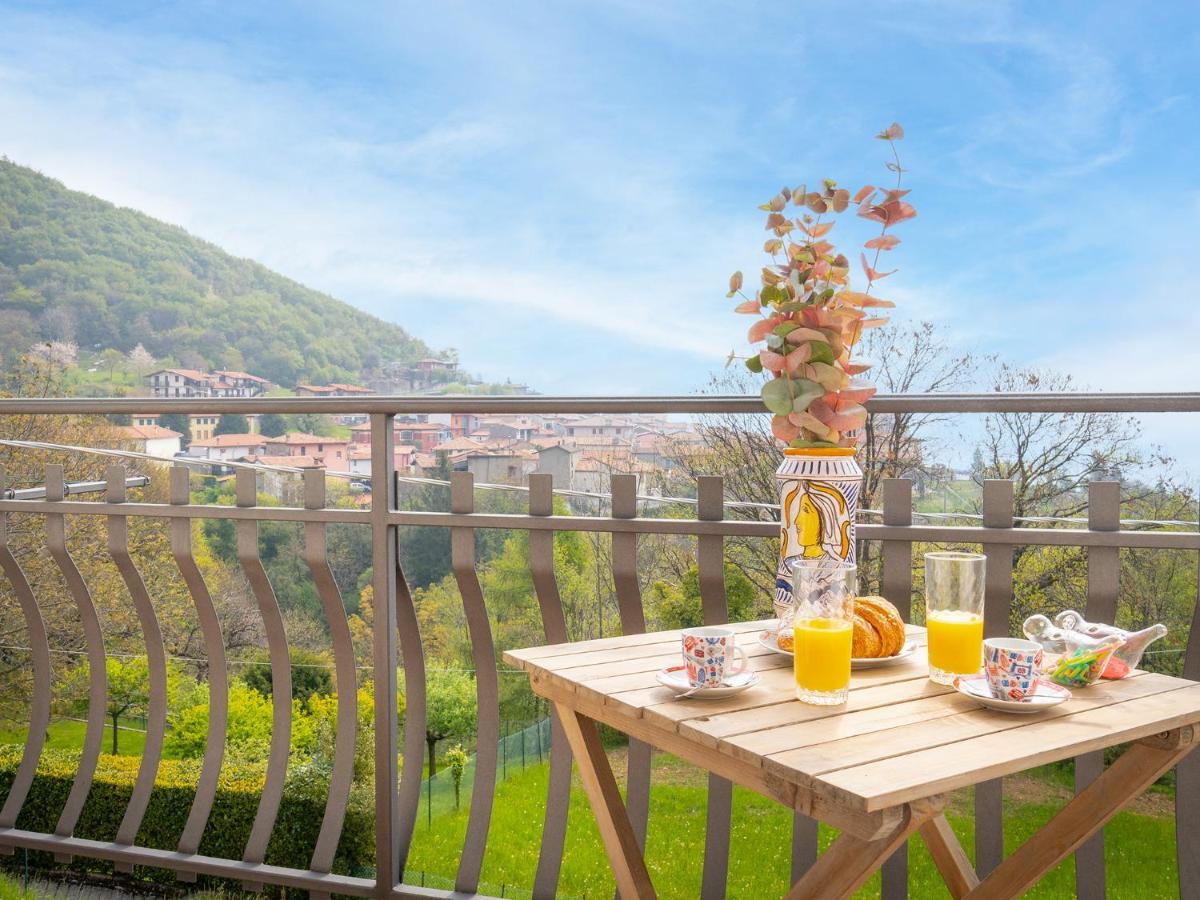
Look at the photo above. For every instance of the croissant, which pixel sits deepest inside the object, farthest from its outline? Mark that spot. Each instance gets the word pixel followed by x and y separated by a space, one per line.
pixel 878 628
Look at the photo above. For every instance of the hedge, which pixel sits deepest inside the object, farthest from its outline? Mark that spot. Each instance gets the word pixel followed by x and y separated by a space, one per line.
pixel 229 823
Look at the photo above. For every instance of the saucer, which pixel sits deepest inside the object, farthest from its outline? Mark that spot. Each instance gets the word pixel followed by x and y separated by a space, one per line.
pixel 675 678
pixel 768 641
pixel 1044 696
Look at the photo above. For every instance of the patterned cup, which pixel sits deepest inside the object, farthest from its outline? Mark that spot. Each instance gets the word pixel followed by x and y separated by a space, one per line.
pixel 1011 666
pixel 708 655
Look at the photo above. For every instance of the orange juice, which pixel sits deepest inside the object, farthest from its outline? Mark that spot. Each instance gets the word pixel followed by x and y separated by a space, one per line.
pixel 955 641
pixel 822 654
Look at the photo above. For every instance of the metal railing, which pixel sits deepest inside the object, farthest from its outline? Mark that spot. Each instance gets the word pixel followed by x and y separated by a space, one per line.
pixel 397 635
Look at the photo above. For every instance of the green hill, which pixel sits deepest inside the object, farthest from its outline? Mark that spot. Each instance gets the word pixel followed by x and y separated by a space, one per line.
pixel 78 268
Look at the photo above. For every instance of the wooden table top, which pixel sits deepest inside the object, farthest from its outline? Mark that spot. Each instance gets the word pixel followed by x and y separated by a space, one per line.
pixel 899 738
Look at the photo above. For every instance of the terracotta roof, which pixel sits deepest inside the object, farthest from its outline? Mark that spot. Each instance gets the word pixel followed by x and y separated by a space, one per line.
pixel 241 376
pixel 146 432
pixel 232 440
pixel 459 444
pixel 425 460
pixel 294 462
pixel 334 388
pixel 299 437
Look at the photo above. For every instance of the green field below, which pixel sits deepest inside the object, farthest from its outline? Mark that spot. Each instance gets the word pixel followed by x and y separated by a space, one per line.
pixel 67 734
pixel 1140 844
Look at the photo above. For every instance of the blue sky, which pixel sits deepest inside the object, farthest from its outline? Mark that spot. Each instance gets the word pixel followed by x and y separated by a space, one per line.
pixel 560 190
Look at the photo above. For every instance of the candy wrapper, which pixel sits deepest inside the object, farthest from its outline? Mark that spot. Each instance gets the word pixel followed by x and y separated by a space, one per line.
pixel 1069 633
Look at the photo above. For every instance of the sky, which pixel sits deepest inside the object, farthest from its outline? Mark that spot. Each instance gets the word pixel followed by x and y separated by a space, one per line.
pixel 561 190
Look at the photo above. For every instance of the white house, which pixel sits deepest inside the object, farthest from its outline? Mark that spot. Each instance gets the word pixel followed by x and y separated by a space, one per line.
pixel 225 447
pixel 153 440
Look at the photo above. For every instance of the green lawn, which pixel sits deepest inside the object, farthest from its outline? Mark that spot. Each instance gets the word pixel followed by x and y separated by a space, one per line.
pixel 1140 847
pixel 68 734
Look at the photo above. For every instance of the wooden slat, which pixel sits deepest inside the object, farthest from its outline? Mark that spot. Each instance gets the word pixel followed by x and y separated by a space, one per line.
pixel 989 795
pixel 1103 576
pixel 281 673
pixel 1137 769
pixel 544 657
pixel 710 559
pixel 56 543
pixel 961 725
pixel 39 711
pixel 217 672
pixel 896 586
pixel 947 854
pixel 884 783
pixel 483 652
pixel 616 831
pixel 558 790
pixel 156 659
pixel 316 556
pixel 1187 786
pixel 659 644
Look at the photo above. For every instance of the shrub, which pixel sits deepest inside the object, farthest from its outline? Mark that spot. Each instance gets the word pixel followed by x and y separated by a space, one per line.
pixel 229 823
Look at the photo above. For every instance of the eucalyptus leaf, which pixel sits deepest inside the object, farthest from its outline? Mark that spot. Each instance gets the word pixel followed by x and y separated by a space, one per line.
pixel 805 392
pixel 821 352
pixel 782 330
pixel 754 364
pixel 777 396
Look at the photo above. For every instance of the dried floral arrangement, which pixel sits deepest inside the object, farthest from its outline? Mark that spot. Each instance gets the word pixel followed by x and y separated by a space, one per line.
pixel 809 318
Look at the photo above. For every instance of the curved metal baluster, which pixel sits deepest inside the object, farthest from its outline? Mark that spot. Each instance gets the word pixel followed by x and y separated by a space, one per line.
pixel 633 621
pixel 558 792
pixel 710 559
pixel 39 713
pixel 408 799
pixel 156 715
pixel 281 673
pixel 462 553
pixel 218 675
pixel 317 557
pixel 56 543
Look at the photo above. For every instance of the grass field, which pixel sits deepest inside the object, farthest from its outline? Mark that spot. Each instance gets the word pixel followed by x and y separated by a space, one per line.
pixel 1140 845
pixel 67 734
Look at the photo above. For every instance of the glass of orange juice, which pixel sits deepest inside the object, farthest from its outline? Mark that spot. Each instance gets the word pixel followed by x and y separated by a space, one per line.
pixel 954 614
pixel 823 629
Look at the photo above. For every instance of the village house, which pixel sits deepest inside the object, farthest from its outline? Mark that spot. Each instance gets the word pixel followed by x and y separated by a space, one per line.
pixel 324 451
pixel 179 382
pixel 152 439
pixel 227 447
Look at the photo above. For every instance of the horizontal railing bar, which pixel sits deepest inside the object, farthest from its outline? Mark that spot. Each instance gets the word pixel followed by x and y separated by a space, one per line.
pixel 71 487
pixel 965 534
pixel 192 862
pixel 199 511
pixel 1081 402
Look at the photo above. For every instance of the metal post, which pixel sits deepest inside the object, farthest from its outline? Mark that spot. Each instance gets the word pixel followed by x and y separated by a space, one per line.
pixel 383 562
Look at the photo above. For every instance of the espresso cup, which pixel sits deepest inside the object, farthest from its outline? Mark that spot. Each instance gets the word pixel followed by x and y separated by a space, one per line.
pixel 1012 667
pixel 708 656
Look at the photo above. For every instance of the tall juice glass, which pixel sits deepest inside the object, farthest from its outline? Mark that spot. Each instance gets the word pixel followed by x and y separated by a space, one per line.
pixel 823 629
pixel 954 614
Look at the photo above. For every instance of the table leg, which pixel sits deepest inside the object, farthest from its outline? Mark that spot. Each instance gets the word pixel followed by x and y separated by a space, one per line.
pixel 624 855
pixel 949 856
pixel 850 860
pixel 1138 768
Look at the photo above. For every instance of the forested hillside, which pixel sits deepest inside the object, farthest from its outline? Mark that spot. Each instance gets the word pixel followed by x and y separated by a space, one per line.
pixel 76 268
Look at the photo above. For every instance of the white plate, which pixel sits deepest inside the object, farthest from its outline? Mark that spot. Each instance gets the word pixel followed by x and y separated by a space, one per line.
pixel 1045 696
pixel 675 678
pixel 767 640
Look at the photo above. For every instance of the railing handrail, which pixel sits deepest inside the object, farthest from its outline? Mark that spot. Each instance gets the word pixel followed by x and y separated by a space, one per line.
pixel 986 402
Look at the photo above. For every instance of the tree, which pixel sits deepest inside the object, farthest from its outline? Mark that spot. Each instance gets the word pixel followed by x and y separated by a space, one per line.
pixel 141 361
pixel 128 690
pixel 311 673
pixel 112 360
pixel 177 422
pixel 450 709
pixel 456 760
pixel 232 423
pixel 272 425
pixel 680 606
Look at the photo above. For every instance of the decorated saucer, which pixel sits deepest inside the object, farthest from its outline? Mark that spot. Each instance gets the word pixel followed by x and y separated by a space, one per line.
pixel 675 679
pixel 1044 696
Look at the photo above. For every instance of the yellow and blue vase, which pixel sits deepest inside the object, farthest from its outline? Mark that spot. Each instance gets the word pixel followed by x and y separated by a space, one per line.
pixel 818 500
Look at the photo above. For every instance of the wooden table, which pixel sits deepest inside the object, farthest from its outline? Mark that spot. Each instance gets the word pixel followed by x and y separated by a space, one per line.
pixel 878 768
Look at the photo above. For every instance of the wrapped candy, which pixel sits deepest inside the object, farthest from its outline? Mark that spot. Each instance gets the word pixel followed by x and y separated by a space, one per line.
pixel 1090 645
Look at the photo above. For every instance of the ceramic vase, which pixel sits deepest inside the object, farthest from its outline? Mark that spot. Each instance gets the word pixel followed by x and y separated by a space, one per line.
pixel 818 501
